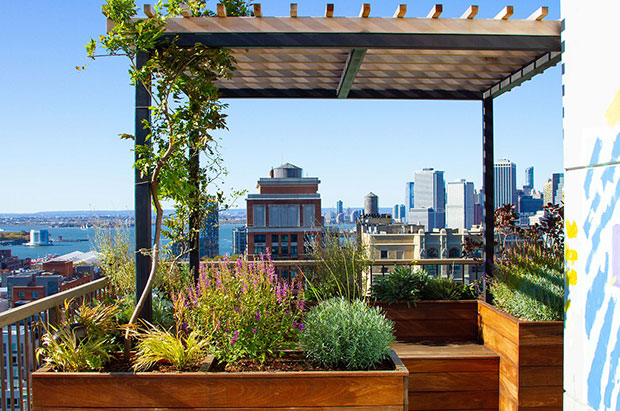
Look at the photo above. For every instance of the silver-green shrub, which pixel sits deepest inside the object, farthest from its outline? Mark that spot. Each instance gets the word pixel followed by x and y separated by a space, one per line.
pixel 346 334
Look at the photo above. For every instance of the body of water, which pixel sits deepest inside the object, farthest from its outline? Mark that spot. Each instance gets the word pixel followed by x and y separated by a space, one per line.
pixel 68 239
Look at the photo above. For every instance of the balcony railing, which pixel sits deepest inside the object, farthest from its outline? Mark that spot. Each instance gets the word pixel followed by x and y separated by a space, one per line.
pixel 22 329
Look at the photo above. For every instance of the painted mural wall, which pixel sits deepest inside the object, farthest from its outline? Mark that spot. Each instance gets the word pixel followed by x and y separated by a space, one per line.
pixel 591 80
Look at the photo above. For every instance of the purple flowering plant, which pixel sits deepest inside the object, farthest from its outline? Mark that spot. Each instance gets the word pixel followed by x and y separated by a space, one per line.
pixel 244 308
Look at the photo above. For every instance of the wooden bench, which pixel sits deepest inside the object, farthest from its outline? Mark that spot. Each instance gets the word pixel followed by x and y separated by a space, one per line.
pixel 450 376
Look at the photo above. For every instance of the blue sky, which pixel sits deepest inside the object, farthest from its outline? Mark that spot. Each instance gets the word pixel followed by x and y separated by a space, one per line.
pixel 59 145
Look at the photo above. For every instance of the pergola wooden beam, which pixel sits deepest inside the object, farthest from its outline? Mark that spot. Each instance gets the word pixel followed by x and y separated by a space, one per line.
pixel 539 14
pixel 352 66
pixel 470 13
pixel 400 12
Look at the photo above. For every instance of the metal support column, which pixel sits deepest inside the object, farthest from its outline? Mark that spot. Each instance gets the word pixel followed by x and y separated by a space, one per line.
pixel 143 224
pixel 194 218
pixel 488 185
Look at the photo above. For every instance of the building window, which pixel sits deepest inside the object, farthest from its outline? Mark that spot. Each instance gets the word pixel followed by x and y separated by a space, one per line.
pixel 259 238
pixel 259 216
pixel 293 238
pixel 293 250
pixel 284 238
pixel 308 211
pixel 274 238
pixel 283 215
pixel 454 253
pixel 35 294
pixel 432 253
pixel 384 254
pixel 259 250
pixel 308 243
pixel 21 294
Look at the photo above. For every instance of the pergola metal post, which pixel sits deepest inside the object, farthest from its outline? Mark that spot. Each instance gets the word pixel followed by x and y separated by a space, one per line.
pixel 194 218
pixel 488 185
pixel 143 224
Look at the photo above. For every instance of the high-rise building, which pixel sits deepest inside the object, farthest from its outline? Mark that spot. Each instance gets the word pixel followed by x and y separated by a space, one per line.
pixel 285 216
pixel 548 192
pixel 371 204
pixel 460 205
pixel 399 214
pixel 209 239
pixel 240 239
pixel 529 179
pixel 338 207
pixel 409 203
pixel 505 183
pixel 557 188
pixel 430 192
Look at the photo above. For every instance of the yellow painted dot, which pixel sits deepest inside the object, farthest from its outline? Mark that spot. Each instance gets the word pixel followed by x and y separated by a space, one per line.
pixel 612 115
pixel 566 305
pixel 571 229
pixel 571 277
pixel 571 255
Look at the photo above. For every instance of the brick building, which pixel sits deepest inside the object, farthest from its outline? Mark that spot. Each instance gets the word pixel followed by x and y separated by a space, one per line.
pixel 284 217
pixel 65 268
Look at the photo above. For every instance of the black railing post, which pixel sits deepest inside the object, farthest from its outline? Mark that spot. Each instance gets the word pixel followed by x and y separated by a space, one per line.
pixel 143 221
pixel 488 186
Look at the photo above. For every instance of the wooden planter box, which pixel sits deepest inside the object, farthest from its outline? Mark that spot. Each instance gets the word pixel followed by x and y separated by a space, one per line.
pixel 357 390
pixel 434 321
pixel 531 359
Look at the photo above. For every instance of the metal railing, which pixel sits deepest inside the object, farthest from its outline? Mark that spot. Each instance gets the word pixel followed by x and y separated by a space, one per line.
pixel 464 270
pixel 22 329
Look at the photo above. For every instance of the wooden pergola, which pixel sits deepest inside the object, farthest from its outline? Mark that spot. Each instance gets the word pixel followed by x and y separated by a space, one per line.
pixel 365 57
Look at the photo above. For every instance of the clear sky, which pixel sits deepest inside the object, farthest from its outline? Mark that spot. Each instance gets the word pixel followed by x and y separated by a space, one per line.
pixel 59 145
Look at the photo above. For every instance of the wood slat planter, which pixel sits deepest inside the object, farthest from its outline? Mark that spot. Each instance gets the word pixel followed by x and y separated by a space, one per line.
pixel 531 359
pixel 331 390
pixel 457 376
pixel 441 321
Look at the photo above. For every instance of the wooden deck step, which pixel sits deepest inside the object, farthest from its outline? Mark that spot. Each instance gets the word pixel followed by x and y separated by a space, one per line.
pixel 456 376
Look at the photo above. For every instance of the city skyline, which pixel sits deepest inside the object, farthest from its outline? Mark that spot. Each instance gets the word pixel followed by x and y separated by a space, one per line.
pixel 64 153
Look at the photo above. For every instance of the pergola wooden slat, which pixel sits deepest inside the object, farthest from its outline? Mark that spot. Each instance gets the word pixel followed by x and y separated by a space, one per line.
pixel 368 58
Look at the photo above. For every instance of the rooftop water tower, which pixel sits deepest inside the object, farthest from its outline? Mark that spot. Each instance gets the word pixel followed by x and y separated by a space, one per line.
pixel 371 204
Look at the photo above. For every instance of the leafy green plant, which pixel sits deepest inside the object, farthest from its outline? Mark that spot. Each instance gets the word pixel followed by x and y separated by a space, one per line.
pixel 64 351
pixel 246 310
pixel 403 284
pixel 340 271
pixel 410 285
pixel 84 338
pixel 183 353
pixel 348 334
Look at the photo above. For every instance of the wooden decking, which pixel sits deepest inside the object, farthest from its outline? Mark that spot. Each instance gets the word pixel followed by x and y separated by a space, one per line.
pixel 450 376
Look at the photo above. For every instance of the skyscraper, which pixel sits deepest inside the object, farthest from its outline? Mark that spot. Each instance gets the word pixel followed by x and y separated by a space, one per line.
pixel 505 183
pixel 460 205
pixel 409 203
pixel 338 207
pixel 557 187
pixel 529 179
pixel 430 193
